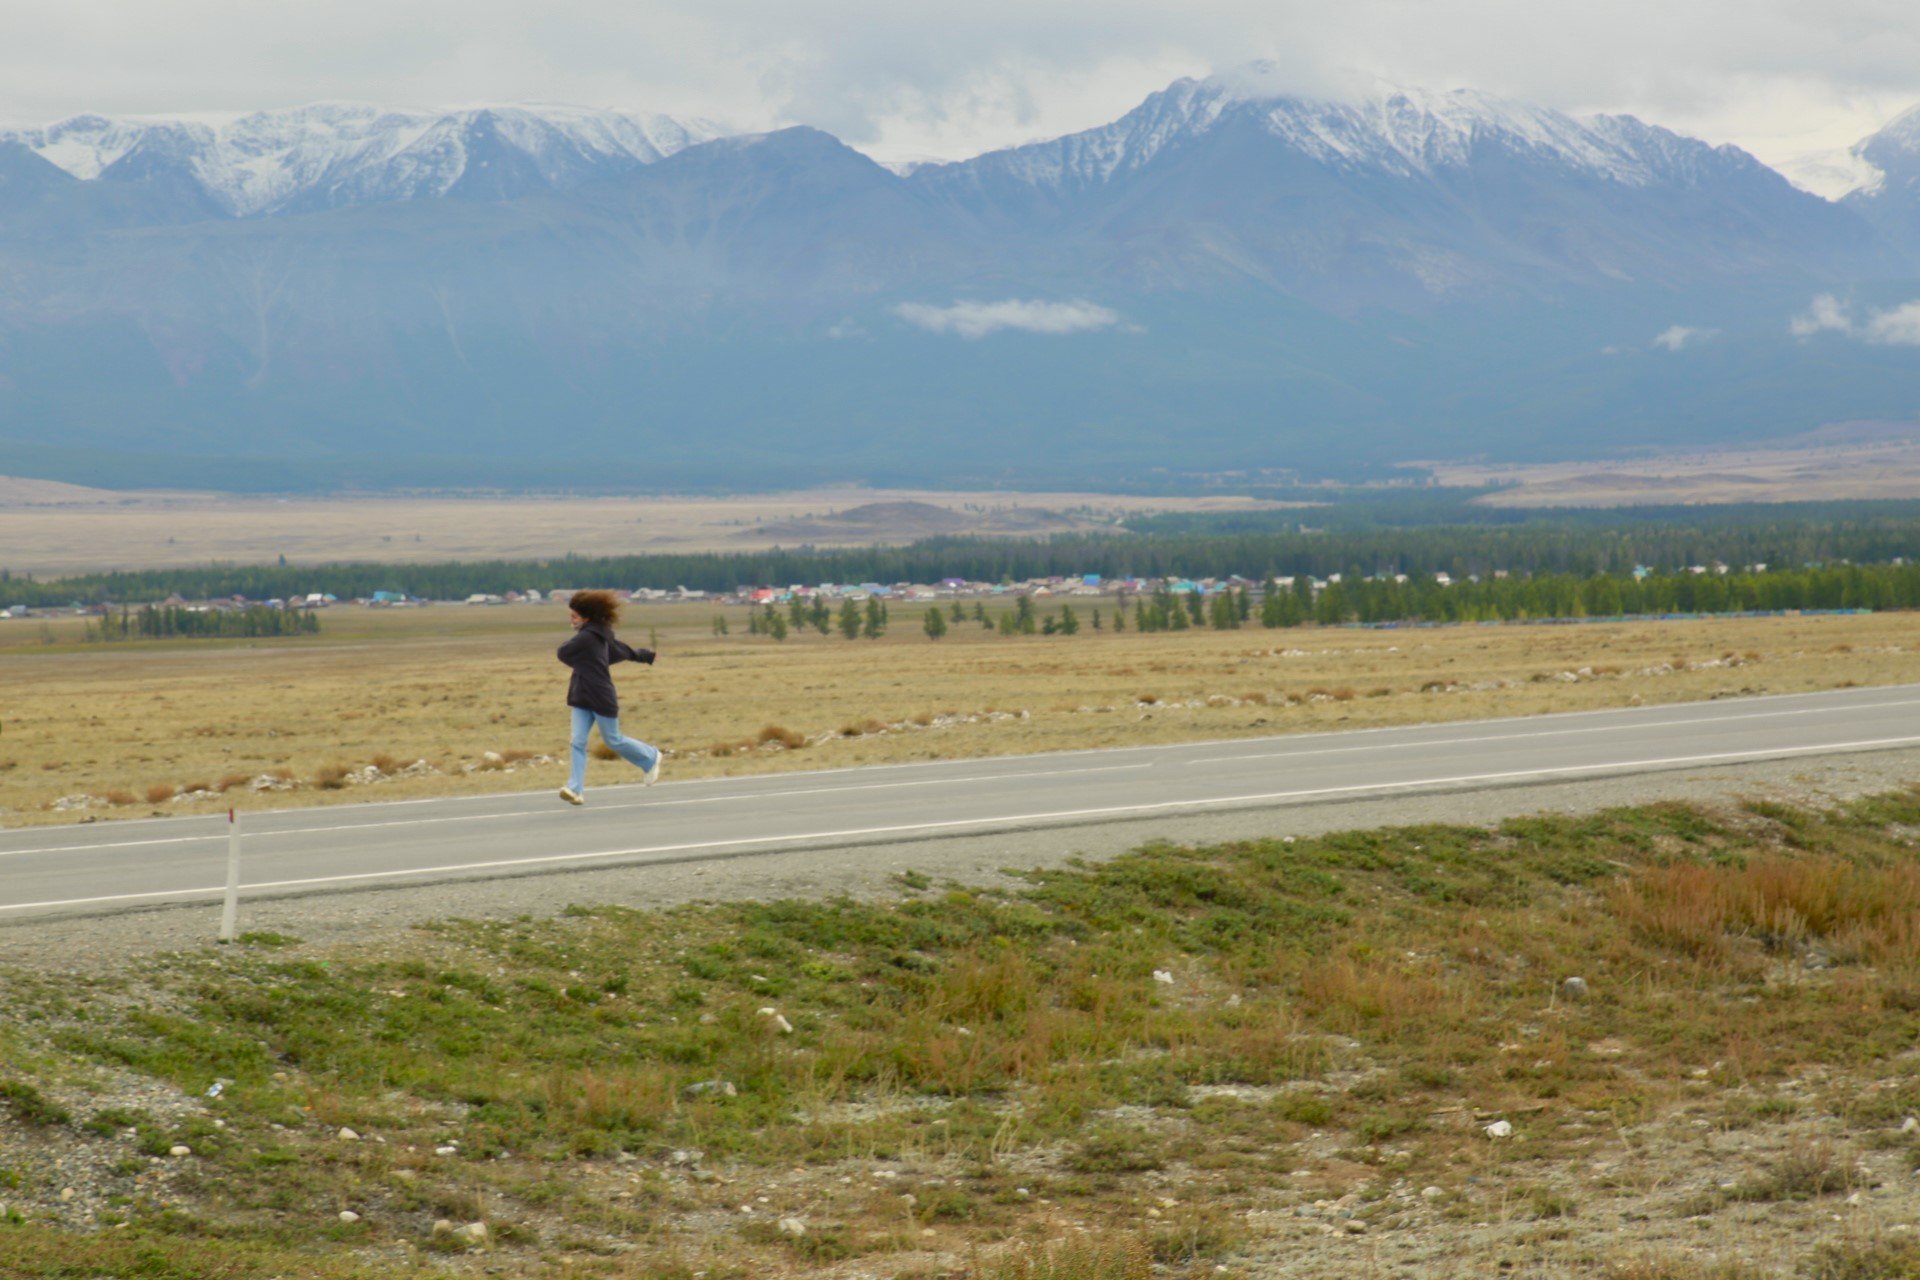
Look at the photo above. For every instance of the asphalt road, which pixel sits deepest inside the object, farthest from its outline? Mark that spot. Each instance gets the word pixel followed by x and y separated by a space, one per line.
pixel 97 869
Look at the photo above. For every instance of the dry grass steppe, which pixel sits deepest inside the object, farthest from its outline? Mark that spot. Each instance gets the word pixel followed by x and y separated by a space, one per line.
pixel 1844 463
pixel 194 726
pixel 49 530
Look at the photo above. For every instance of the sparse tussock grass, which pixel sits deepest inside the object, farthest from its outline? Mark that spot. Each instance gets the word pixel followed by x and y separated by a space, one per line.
pixel 1350 996
pixel 1702 910
pixel 330 777
pixel 1889 1257
pixel 1072 1258
pixel 781 736
pixel 161 792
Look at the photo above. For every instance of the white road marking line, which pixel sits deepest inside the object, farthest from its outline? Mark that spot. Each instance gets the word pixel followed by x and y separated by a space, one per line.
pixel 1061 815
pixel 1543 733
pixel 550 810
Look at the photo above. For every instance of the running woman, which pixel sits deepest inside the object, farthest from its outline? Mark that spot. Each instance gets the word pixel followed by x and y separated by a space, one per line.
pixel 590 694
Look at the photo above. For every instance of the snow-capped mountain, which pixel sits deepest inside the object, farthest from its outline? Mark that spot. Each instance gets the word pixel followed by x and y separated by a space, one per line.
pixel 1890 198
pixel 1400 195
pixel 1404 133
pixel 1228 276
pixel 331 155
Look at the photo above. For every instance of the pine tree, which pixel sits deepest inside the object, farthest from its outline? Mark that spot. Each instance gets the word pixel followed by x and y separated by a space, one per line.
pixel 876 619
pixel 850 620
pixel 936 623
pixel 1069 623
pixel 776 625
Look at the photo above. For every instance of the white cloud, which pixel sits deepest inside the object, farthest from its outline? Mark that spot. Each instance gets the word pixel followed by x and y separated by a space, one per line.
pixel 1680 335
pixel 978 319
pixel 1780 76
pixel 1897 327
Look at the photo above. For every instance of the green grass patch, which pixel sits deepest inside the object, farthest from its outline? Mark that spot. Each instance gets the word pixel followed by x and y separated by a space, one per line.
pixel 1230 1010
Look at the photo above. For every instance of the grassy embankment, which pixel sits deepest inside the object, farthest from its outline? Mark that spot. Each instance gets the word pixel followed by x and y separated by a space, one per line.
pixel 1278 1058
pixel 135 725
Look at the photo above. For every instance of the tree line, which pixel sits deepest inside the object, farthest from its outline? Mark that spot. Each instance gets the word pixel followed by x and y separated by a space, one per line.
pixel 159 622
pixel 1566 547
pixel 1386 601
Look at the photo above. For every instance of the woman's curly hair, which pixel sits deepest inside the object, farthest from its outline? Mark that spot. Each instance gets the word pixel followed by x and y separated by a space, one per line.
pixel 596 606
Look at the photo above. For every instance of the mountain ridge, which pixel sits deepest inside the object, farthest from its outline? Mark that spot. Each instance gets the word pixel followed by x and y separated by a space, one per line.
pixel 1223 278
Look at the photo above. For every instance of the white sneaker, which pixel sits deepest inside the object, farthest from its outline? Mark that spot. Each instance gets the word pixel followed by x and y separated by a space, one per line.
pixel 650 776
pixel 571 796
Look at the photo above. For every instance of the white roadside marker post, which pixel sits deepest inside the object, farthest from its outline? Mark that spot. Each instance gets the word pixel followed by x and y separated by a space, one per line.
pixel 230 911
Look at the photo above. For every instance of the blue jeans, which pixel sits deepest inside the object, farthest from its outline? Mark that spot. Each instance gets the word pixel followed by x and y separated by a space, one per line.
pixel 639 754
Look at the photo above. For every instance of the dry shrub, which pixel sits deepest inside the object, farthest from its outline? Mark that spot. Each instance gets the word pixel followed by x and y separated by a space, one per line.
pixel 1074 1258
pixel 1349 997
pixel 615 1101
pixel 601 751
pixel 1255 698
pixel 719 749
pixel 1682 1268
pixel 1265 1049
pixel 1148 698
pixel 1381 692
pixel 117 796
pixel 1344 693
pixel 190 788
pixel 976 988
pixel 330 777
pixel 923 719
pixel 860 728
pixel 1872 912
pixel 782 735
pixel 160 793
pixel 931 1056
pixel 386 763
pixel 512 756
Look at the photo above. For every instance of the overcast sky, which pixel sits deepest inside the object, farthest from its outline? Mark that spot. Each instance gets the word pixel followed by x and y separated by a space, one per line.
pixel 904 79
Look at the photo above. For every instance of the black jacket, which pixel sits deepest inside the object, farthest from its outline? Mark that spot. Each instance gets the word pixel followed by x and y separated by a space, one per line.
pixel 591 650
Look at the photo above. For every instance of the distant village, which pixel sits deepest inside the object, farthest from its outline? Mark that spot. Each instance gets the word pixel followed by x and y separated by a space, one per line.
pixel 1067 588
